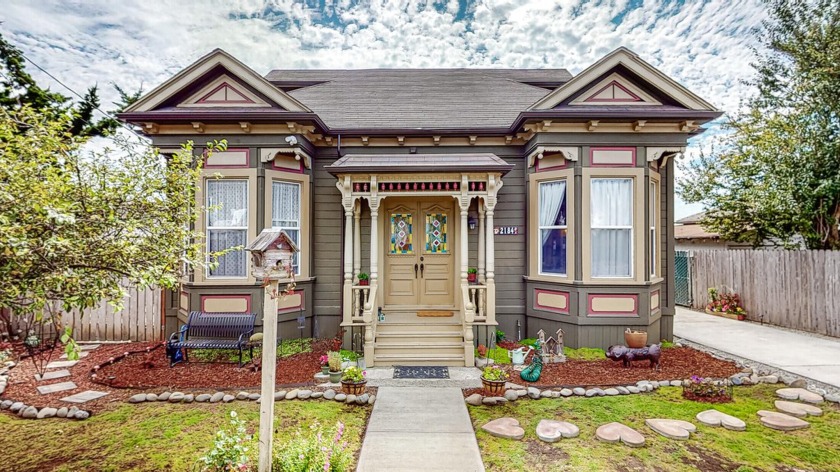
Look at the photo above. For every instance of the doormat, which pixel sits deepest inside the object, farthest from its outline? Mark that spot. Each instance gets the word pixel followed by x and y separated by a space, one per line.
pixel 435 314
pixel 421 372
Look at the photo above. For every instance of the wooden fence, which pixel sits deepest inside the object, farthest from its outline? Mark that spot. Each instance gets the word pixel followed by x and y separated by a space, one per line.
pixel 139 319
pixel 793 289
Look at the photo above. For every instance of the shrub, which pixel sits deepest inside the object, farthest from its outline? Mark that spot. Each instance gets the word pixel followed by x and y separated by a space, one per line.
pixel 482 350
pixel 230 449
pixel 318 450
pixel 700 389
pixel 334 361
pixel 725 302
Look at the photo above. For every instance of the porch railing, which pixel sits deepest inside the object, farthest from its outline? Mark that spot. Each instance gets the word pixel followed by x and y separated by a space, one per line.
pixel 478 297
pixel 361 294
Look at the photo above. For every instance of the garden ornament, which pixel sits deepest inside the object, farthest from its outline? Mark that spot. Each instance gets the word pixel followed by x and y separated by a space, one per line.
pixel 628 355
pixel 533 371
pixel 518 355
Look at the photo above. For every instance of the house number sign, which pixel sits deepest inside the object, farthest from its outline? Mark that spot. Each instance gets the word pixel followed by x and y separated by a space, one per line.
pixel 506 230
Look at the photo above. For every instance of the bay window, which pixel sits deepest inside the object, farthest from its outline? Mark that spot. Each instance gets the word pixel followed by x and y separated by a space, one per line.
pixel 227 225
pixel 553 228
pixel 285 213
pixel 653 215
pixel 611 225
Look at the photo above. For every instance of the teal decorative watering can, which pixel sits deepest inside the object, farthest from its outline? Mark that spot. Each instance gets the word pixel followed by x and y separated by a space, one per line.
pixel 517 356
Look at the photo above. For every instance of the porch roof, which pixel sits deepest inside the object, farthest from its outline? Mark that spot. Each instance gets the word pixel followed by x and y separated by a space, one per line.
pixel 382 163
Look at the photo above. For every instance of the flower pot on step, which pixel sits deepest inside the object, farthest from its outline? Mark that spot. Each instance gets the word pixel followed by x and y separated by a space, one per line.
pixel 335 377
pixel 325 369
pixel 353 388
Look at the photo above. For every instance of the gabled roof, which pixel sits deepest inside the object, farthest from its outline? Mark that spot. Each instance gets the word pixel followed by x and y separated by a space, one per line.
pixel 691 219
pixel 184 80
pixel 623 57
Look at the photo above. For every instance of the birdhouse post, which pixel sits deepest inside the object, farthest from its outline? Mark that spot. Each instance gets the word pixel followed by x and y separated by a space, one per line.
pixel 272 254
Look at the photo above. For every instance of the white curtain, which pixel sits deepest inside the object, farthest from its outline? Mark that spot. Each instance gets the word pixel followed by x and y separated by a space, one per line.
pixel 552 195
pixel 611 213
pixel 229 199
pixel 285 212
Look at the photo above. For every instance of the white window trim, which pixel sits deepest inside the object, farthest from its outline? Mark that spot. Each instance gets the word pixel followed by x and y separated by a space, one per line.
pixel 630 227
pixel 540 228
pixel 299 227
pixel 209 228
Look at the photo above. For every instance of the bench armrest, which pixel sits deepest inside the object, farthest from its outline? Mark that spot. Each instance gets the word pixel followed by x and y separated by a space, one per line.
pixel 246 334
pixel 180 335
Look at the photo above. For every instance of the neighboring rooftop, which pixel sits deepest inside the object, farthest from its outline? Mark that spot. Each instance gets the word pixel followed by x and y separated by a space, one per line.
pixel 418 98
pixel 691 219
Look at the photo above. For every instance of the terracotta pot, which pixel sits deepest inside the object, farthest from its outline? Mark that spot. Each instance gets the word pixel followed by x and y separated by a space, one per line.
pixel 635 339
pixel 353 388
pixel 742 317
pixel 494 387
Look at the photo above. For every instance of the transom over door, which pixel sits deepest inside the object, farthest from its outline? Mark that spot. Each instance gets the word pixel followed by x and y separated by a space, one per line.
pixel 418 254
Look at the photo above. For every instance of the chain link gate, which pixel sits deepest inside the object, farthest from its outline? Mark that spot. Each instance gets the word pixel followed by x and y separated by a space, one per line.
pixel 682 278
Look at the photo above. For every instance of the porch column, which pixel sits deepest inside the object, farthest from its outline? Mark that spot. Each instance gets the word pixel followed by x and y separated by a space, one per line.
pixel 357 240
pixel 481 238
pixel 374 240
pixel 370 308
pixel 464 203
pixel 494 183
pixel 347 202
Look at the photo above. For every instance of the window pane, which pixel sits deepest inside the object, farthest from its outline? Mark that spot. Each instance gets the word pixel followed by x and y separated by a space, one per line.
pixel 653 251
pixel 228 200
pixel 436 233
pixel 612 202
pixel 553 253
pixel 232 264
pixel 553 203
pixel 285 208
pixel 401 239
pixel 611 250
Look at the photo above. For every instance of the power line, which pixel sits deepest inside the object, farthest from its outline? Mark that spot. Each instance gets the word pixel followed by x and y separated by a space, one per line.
pixel 80 96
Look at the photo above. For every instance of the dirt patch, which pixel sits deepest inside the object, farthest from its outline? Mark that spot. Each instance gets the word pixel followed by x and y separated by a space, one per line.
pixel 542 454
pixel 707 462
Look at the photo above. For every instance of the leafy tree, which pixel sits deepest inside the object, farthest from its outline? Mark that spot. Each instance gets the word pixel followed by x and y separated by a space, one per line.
pixel 18 89
pixel 776 174
pixel 75 224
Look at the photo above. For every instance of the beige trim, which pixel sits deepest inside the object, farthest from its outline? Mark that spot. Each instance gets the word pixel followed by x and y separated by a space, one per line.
pixel 533 224
pixel 570 153
pixel 656 153
pixel 613 304
pixel 633 62
pixel 231 304
pixel 202 66
pixel 201 224
pixel 305 224
pixel 631 126
pixel 237 158
pixel 657 223
pixel 192 101
pixel 639 224
pixel 616 77
pixel 552 300
pixel 654 300
pixel 269 154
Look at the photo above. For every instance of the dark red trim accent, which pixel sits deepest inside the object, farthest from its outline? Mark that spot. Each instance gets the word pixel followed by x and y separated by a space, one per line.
pixel 593 312
pixel 238 166
pixel 246 296
pixel 592 156
pixel 537 306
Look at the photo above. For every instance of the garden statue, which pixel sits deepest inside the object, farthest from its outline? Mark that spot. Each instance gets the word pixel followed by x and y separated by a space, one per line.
pixel 552 350
pixel 628 354
pixel 533 371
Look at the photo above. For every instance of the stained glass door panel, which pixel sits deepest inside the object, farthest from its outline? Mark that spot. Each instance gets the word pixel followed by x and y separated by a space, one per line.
pixel 436 233
pixel 401 234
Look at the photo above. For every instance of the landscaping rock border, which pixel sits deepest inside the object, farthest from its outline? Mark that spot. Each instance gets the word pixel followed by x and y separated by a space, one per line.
pixel 31 412
pixel 279 395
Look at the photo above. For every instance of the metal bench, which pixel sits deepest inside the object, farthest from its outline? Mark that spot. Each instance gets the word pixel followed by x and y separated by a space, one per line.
pixel 211 331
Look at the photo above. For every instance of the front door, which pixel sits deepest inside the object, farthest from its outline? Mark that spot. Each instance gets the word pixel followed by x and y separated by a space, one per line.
pixel 418 255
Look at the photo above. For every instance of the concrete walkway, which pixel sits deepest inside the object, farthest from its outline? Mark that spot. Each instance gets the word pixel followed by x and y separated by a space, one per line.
pixel 420 428
pixel 811 356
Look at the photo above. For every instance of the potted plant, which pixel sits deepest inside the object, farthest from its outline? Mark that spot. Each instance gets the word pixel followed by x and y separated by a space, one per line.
pixel 325 364
pixel 482 351
pixel 725 304
pixel 353 381
pixel 472 275
pixel 364 278
pixel 635 339
pixel 493 379
pixel 481 360
pixel 334 364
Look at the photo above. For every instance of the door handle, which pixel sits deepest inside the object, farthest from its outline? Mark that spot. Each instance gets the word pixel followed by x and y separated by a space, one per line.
pixel 415 271
pixel 421 271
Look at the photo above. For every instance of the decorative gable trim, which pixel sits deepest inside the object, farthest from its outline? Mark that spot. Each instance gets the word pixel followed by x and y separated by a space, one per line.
pixel 224 92
pixel 184 79
pixel 630 60
pixel 615 90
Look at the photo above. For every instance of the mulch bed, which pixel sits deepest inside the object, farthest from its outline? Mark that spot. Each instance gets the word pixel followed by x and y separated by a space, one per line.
pixel 676 363
pixel 706 399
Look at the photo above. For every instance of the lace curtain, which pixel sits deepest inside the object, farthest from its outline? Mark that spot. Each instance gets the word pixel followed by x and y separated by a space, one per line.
pixel 285 212
pixel 227 224
pixel 611 213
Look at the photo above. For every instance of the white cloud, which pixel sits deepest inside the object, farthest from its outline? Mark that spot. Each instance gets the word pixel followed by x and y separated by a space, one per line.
pixel 703 45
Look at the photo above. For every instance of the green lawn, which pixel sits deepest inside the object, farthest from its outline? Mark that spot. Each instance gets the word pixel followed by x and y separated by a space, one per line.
pixel 710 449
pixel 155 436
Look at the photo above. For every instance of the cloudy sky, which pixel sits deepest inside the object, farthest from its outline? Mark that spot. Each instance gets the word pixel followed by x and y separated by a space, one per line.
pixel 705 45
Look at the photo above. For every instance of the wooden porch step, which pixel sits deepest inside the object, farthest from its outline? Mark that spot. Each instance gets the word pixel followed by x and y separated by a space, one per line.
pixel 422 359
pixel 420 344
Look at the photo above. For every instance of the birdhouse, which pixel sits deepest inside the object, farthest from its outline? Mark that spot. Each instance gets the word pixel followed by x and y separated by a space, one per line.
pixel 271 254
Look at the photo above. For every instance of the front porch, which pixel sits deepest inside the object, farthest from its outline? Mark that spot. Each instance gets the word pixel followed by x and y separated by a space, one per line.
pixel 419 307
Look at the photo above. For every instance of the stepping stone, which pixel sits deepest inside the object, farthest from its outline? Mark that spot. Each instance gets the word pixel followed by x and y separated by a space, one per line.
pixel 56 387
pixel 615 432
pixel 672 429
pixel 799 394
pixel 716 418
pixel 552 430
pixel 53 374
pixel 88 347
pixel 507 428
pixel 61 364
pixel 84 397
pixel 781 421
pixel 82 355
pixel 800 410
